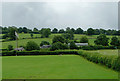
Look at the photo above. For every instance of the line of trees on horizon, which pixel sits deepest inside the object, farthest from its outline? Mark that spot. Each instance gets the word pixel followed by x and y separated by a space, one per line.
pixel 90 31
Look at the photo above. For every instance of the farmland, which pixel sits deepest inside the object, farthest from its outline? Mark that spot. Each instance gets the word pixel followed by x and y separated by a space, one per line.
pixel 54 67
pixel 107 52
pixel 24 38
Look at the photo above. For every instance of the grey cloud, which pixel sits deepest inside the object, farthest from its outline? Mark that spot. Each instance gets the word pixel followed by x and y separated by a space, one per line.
pixel 61 15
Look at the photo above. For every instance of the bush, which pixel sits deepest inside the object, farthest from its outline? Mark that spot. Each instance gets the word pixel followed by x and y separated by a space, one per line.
pixel 84 39
pixel 109 61
pixel 38 52
pixel 58 45
pixel 31 45
pixel 72 45
pixel 102 40
pixel 10 47
pixel 58 38
pixel 44 43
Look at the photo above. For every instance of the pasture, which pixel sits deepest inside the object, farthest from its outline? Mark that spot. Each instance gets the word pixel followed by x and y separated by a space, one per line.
pixel 54 67
pixel 24 38
pixel 107 52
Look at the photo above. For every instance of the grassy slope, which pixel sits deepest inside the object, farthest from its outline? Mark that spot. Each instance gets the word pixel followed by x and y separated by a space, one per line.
pixel 107 52
pixel 38 40
pixel 57 67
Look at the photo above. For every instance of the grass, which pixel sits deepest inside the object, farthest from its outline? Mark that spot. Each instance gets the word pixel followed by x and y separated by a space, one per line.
pixel 107 52
pixel 53 67
pixel 22 41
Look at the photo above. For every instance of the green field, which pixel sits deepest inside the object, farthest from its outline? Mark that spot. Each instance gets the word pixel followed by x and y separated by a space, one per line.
pixel 23 42
pixel 107 52
pixel 54 67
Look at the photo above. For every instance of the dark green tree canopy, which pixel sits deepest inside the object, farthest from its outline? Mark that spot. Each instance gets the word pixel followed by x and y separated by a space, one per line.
pixel 55 30
pixel 61 31
pixel 31 35
pixel 79 31
pixel 102 40
pixel 58 38
pixel 58 45
pixel 72 45
pixel 90 31
pixel 115 41
pixel 44 43
pixel 84 39
pixel 31 45
pixel 10 47
pixel 45 32
pixel 11 33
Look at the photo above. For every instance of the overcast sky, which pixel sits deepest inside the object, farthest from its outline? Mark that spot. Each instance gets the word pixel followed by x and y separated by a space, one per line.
pixel 61 14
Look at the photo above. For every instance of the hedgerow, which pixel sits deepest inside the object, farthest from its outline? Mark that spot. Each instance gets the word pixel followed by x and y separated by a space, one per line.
pixel 112 62
pixel 109 61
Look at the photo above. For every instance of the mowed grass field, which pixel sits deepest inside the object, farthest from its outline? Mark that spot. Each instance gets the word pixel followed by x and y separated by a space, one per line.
pixel 53 67
pixel 23 42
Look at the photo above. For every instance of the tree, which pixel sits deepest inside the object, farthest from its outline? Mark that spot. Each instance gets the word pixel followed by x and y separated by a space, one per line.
pixel 10 47
pixel 90 31
pixel 115 41
pixel 45 32
pixel 84 39
pixel 31 45
pixel 31 35
pixel 44 43
pixel 69 34
pixel 61 31
pixel 96 31
pixel 5 36
pixel 20 29
pixel 73 30
pixel 25 30
pixel 58 45
pixel 58 38
pixel 102 40
pixel 35 30
pixel 72 45
pixel 79 31
pixel 55 30
pixel 12 33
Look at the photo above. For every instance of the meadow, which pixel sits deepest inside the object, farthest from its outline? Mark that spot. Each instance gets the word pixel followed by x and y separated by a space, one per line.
pixel 54 67
pixel 24 38
pixel 107 52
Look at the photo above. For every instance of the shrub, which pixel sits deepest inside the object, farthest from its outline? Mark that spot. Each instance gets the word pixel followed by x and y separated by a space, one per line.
pixel 102 40
pixel 109 61
pixel 84 39
pixel 10 47
pixel 58 38
pixel 44 43
pixel 31 45
pixel 58 45
pixel 72 45
pixel 114 41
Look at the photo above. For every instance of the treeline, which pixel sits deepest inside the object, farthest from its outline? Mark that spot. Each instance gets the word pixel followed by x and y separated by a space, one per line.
pixel 90 31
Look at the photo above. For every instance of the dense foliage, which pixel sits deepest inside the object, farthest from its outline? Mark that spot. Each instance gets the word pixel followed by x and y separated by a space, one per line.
pixel 44 43
pixel 58 38
pixel 84 39
pixel 31 45
pixel 10 47
pixel 58 45
pixel 102 40
pixel 89 31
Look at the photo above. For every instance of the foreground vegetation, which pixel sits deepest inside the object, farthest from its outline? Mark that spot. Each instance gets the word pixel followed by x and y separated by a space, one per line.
pixel 54 67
